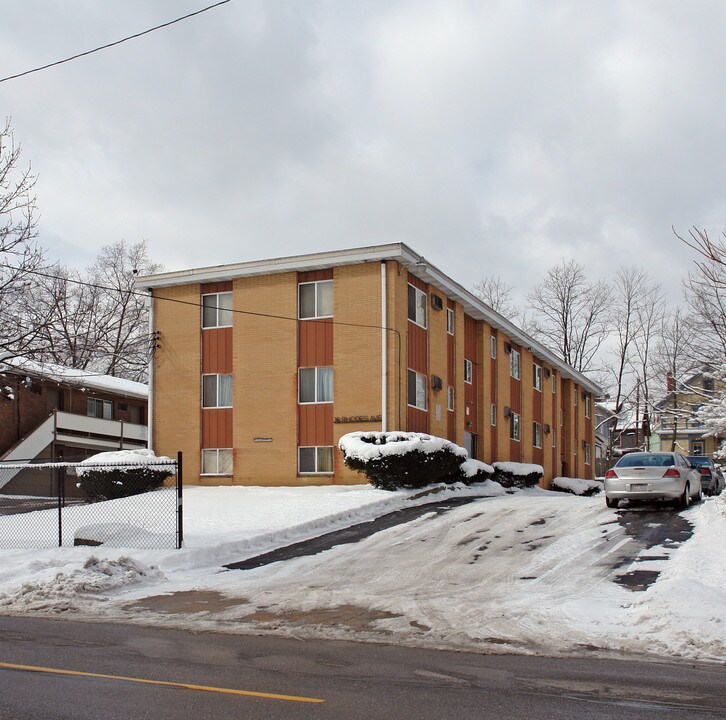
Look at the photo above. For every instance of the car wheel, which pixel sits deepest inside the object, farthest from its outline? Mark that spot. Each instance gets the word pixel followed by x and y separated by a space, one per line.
pixel 698 497
pixel 685 499
pixel 612 502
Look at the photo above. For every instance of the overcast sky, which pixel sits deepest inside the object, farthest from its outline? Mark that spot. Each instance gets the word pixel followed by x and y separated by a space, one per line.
pixel 492 137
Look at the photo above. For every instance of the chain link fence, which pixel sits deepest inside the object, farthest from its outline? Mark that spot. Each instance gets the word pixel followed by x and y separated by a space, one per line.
pixel 73 503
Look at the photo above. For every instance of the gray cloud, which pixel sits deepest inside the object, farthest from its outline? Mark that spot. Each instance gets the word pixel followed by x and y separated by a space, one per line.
pixel 492 137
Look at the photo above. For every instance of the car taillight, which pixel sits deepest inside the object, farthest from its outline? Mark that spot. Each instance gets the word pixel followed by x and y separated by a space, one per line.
pixel 705 471
pixel 671 472
pixel 611 474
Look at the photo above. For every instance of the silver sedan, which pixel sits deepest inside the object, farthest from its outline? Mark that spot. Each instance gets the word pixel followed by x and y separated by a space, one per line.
pixel 653 476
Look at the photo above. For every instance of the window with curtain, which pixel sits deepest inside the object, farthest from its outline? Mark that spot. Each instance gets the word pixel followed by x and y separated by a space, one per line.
pixel 217 310
pixel 216 391
pixel 315 299
pixel 315 385
pixel 318 459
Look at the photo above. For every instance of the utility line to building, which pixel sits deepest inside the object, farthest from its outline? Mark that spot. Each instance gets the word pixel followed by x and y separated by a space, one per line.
pixel 116 42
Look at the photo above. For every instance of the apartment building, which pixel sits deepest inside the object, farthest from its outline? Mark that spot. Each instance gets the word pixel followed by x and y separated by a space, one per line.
pixel 262 367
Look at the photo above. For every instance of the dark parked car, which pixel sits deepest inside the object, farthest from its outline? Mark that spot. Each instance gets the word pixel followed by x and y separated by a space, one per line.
pixel 712 479
pixel 653 476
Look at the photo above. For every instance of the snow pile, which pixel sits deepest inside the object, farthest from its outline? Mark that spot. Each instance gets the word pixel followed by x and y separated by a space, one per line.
pixel 119 535
pixel 577 486
pixel 65 591
pixel 519 469
pixel 118 459
pixel 365 446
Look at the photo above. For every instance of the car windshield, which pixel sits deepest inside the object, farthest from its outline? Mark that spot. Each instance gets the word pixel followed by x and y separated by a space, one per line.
pixel 700 461
pixel 646 460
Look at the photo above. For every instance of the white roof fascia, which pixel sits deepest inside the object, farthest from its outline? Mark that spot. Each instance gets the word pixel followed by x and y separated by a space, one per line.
pixel 294 263
pixel 412 261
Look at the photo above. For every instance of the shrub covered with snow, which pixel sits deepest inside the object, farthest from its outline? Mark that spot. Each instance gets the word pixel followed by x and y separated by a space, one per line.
pixel 576 486
pixel 394 460
pixel 113 475
pixel 474 471
pixel 513 474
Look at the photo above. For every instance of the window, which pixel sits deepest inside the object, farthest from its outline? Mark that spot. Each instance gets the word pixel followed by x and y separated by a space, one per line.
pixel 217 462
pixel 515 364
pixel 317 460
pixel 586 446
pixel 493 414
pixel 554 437
pixel 537 434
pixel 514 427
pixel 417 390
pixel 216 391
pixel 99 409
pixel 468 372
pixel 449 321
pixel 217 310
pixel 315 299
pixel 450 398
pixel 587 406
pixel 315 385
pixel 575 391
pixel 492 346
pixel 417 306
pixel 554 382
pixel 697 447
pixel 537 377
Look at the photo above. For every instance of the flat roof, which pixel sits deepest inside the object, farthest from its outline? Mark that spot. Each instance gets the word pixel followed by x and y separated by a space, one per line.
pixel 415 264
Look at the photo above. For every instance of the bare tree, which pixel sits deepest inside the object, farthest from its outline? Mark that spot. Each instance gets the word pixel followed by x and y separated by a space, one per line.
pixel 99 320
pixel 20 320
pixel 571 313
pixel 675 362
pixel 496 293
pixel 650 317
pixel 631 284
pixel 705 290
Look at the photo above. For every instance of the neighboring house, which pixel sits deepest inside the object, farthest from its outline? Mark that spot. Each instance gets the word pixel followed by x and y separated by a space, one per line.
pixel 50 412
pixel 677 414
pixel 263 366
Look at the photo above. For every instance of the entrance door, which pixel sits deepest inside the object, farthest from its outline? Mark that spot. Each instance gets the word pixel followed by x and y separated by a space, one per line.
pixel 470 444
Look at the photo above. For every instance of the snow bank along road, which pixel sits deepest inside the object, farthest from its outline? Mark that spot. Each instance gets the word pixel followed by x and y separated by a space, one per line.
pixel 533 572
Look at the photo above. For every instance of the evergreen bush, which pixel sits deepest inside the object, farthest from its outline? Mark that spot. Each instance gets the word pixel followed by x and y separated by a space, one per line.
pixel 111 483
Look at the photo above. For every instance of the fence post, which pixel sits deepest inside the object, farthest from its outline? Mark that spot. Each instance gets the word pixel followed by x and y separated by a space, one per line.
pixel 60 505
pixel 179 505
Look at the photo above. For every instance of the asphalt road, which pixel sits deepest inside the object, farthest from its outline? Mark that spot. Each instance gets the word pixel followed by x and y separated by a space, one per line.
pixel 122 671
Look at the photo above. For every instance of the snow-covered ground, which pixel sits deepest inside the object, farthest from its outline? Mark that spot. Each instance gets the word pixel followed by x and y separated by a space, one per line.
pixel 527 572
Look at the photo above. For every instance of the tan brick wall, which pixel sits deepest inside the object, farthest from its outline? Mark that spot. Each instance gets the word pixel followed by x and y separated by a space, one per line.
pixel 459 402
pixel 397 346
pixel 357 354
pixel 177 380
pixel 265 381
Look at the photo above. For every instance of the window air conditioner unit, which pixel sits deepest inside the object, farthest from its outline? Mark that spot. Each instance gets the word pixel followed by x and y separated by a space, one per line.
pixel 507 347
pixel 584 444
pixel 436 382
pixel 584 395
pixel 547 429
pixel 507 412
pixel 547 372
pixel 436 302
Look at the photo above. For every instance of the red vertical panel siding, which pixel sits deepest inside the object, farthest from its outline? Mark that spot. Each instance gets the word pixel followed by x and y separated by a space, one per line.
pixel 417 420
pixel 315 343
pixel 416 282
pixel 217 428
pixel 315 349
pixel 224 286
pixel 451 377
pixel 417 349
pixel 471 412
pixel 217 350
pixel 537 402
pixel 315 424
pixel 314 275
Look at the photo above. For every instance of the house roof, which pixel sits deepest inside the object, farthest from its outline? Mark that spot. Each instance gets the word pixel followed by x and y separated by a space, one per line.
pixel 80 379
pixel 416 264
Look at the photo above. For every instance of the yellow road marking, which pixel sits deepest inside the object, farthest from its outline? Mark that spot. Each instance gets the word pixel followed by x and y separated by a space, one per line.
pixel 187 686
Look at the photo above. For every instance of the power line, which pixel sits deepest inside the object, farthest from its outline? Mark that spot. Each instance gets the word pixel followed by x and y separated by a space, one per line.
pixel 117 42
